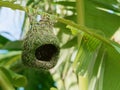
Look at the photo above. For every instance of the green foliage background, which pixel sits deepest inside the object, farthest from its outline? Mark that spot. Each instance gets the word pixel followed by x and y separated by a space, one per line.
pixel 89 59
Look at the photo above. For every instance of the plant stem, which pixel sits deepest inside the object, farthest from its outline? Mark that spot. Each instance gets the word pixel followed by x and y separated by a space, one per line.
pixel 80 12
pixel 83 82
pixel 12 5
pixel 86 30
pixel 80 17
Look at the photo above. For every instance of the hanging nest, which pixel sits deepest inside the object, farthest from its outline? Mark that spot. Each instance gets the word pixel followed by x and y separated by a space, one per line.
pixel 41 46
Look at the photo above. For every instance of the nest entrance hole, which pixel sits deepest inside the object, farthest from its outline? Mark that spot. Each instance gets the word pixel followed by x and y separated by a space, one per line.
pixel 46 52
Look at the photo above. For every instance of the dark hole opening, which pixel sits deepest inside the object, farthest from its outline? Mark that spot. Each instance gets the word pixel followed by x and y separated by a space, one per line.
pixel 46 52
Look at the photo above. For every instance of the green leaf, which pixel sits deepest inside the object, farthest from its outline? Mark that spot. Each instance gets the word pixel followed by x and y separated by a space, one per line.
pixel 116 46
pixel 13 45
pixel 10 54
pixel 6 72
pixel 97 75
pixel 86 54
pixel 16 79
pixel 3 40
pixel 111 73
pixel 100 20
pixel 11 5
pixel 73 30
pixel 29 2
pixel 72 42
pixel 5 84
pixel 66 3
pixel 8 59
pixel 38 79
pixel 88 31
pixel 72 17
pixel 106 5
pixel 62 28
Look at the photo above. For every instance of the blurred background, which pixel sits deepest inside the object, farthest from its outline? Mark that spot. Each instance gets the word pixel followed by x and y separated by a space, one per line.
pixel 85 62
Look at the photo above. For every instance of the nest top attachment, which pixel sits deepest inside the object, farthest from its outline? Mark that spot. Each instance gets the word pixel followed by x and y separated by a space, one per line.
pixel 40 46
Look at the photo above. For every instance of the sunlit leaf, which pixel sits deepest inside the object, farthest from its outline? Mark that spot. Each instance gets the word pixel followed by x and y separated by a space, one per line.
pixel 86 54
pixel 73 30
pixel 52 88
pixel 13 53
